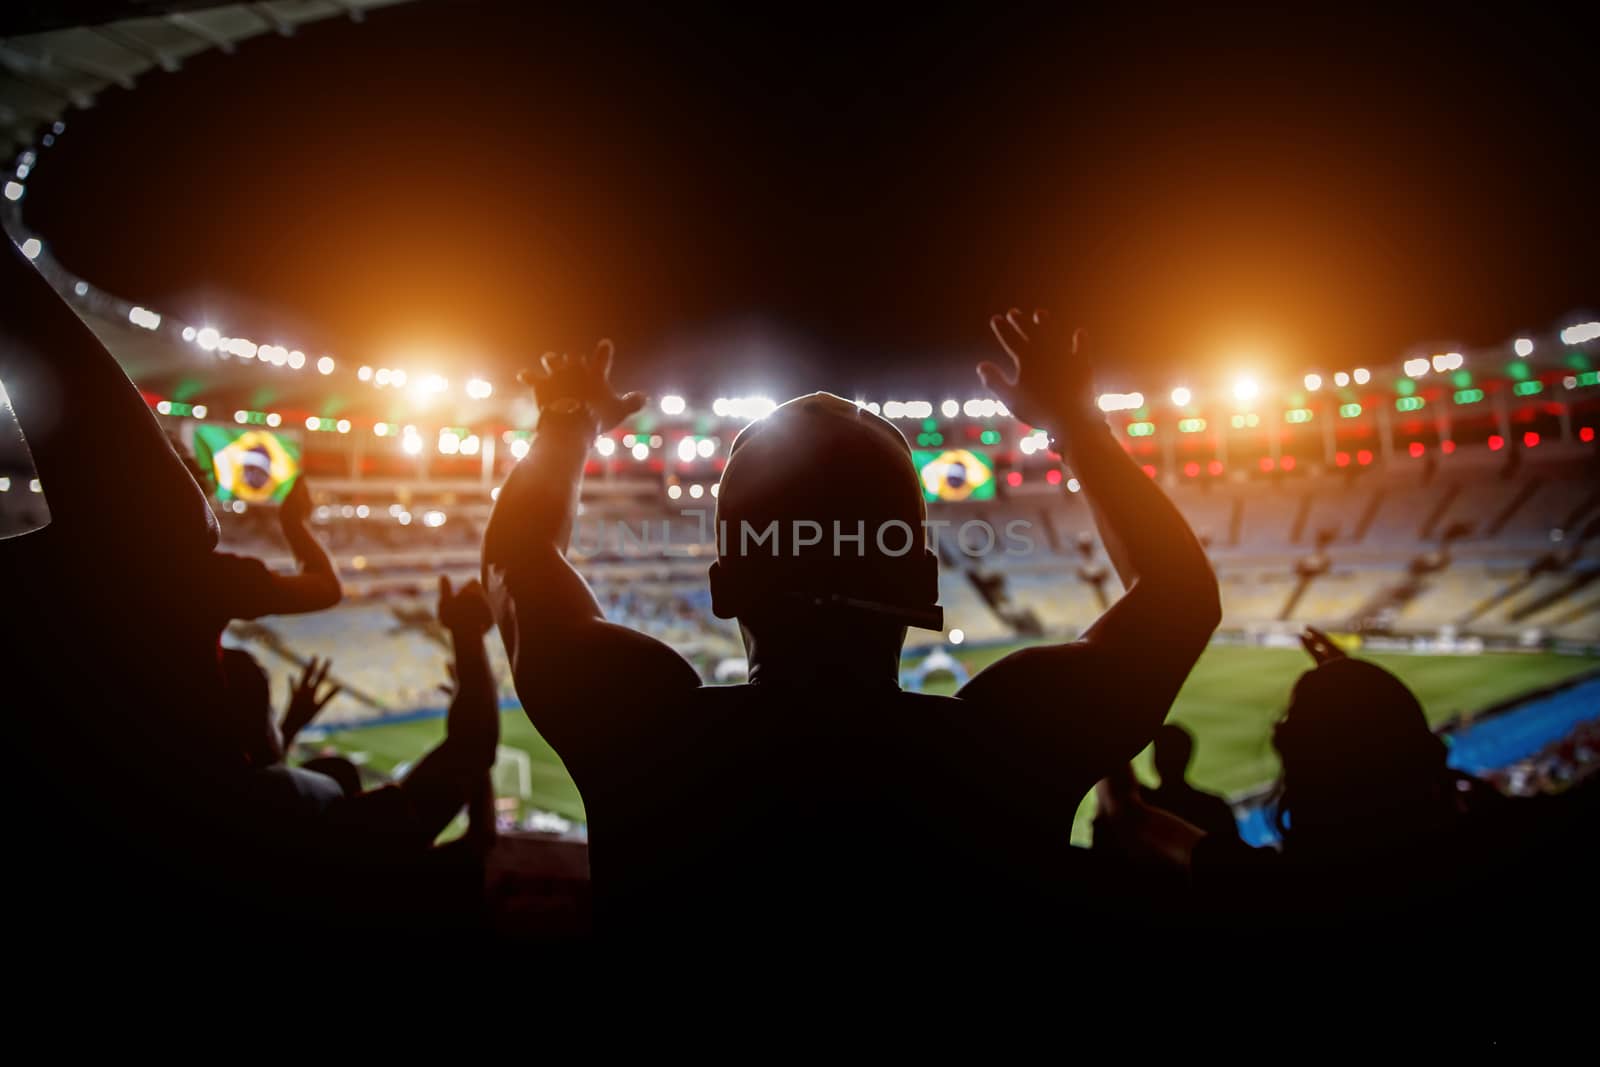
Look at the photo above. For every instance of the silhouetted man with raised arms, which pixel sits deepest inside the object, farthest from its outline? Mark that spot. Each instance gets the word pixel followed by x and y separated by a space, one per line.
pixel 819 797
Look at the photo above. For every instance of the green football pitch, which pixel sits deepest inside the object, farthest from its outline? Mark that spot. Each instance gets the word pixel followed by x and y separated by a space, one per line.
pixel 1229 703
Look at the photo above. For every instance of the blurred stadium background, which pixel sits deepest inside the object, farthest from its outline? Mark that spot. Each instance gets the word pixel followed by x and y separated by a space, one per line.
pixel 1437 508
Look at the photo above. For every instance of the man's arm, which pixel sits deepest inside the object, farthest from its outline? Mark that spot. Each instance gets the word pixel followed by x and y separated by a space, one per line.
pixel 573 669
pixel 1130 664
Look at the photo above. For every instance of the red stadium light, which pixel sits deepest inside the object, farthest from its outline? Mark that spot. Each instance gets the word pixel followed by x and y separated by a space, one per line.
pixel 1150 469
pixel 1416 449
pixel 1342 459
pixel 1364 457
pixel 1014 479
pixel 1530 440
pixel 1447 447
pixel 1053 477
pixel 1496 442
pixel 1266 463
pixel 1214 468
pixel 1586 434
pixel 1286 463
pixel 1191 469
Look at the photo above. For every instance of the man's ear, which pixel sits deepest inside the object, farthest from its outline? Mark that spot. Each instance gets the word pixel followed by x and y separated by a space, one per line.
pixel 724 602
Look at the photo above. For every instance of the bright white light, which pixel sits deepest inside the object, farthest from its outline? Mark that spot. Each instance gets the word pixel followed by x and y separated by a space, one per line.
pixel 325 365
pixel 957 636
pixel 743 407
pixel 1181 397
pixel 641 451
pixel 1341 379
pixel 716 487
pixel 198 411
pixel 1362 376
pixel 494 494
pixel 381 429
pixel 520 446
pixel 365 374
pixel 404 518
pixel 82 289
pixel 397 378
pixel 686 449
pixel 274 419
pixel 432 383
pixel 243 348
pixel 1121 401
pixel 672 405
pixel 949 409
pixel 412 444
pixel 144 317
pixel 1415 368
pixel 1245 390
pixel 208 339
pixel 297 359
pixel 347 512
pixel 1313 382
pixel 395 510
pixel 470 445
pixel 1037 441
pixel 1447 362
pixel 984 408
pixel 14 190
pixel 433 519
pixel 697 491
pixel 655 440
pixel 874 408
pixel 5 485
pixel 241 416
pixel 382 376
pixel 1073 485
pixel 343 426
pixel 478 389
pixel 362 511
pixel 1572 335
pixel 705 446
pixel 312 422
pixel 674 492
pixel 449 443
pixel 604 445
pixel 32 247
pixel 238 507
pixel 164 408
pixel 188 331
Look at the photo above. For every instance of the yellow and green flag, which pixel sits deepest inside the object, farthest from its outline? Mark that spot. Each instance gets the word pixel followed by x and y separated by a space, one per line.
pixel 253 465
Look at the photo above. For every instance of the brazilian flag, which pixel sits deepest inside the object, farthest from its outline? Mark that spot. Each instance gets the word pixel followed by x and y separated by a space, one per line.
pixel 955 474
pixel 256 466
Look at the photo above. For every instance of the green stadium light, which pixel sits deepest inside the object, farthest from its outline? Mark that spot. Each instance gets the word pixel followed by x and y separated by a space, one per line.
pixel 1462 379
pixel 930 425
pixel 1519 371
pixel 1191 425
pixel 1577 360
pixel 1349 411
pixel 989 437
pixel 1405 387
pixel 1532 388
pixel 1297 415
pixel 1240 422
pixel 1409 403
pixel 1141 429
pixel 1589 377
pixel 1468 396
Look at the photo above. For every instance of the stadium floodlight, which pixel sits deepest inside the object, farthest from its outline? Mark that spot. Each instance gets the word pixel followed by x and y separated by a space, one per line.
pixel 343 426
pixel 716 487
pixel 1246 389
pixel 1415 368
pixel 397 378
pixel 242 347
pixel 1578 334
pixel 164 407
pixel 14 190
pixel 686 451
pixel 674 492
pixel 1181 397
pixel 431 383
pixel 198 411
pixel 470 445
pixel 950 409
pixel 641 451
pixel 1447 361
pixel 957 636
pixel 365 374
pixel 381 376
pixel 380 429
pixel 520 446
pixel 604 445
pixel 325 365
pixel 449 442
pixel 1073 485
pixel 241 417
pixel 1523 347
pixel 1313 382
pixel 1341 379
pixel 1121 401
pixel 144 317
pixel 207 338
pixel 5 484
pixel 274 419
pixel 297 359
pixel 706 446
pixel 1362 376
pixel 697 491
pixel 189 333
pixel 411 444
pixel 32 247
pixel 479 389
pixel 404 518
pixel 313 423
pixel 672 404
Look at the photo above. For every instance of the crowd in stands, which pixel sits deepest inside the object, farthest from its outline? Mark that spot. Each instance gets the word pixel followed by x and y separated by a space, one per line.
pixel 714 811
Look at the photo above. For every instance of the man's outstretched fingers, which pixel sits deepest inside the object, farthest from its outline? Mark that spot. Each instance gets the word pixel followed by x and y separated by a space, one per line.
pixel 600 359
pixel 1011 339
pixel 1019 322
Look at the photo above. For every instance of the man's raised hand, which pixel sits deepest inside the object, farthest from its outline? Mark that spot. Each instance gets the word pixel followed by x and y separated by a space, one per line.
pixel 305 702
pixel 586 380
pixel 464 611
pixel 1050 382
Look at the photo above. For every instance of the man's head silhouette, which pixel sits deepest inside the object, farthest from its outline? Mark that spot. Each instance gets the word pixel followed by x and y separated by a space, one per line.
pixel 1174 748
pixel 819 519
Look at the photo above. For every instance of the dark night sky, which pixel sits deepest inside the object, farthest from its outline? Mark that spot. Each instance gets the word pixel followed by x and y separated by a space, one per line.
pixel 832 200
